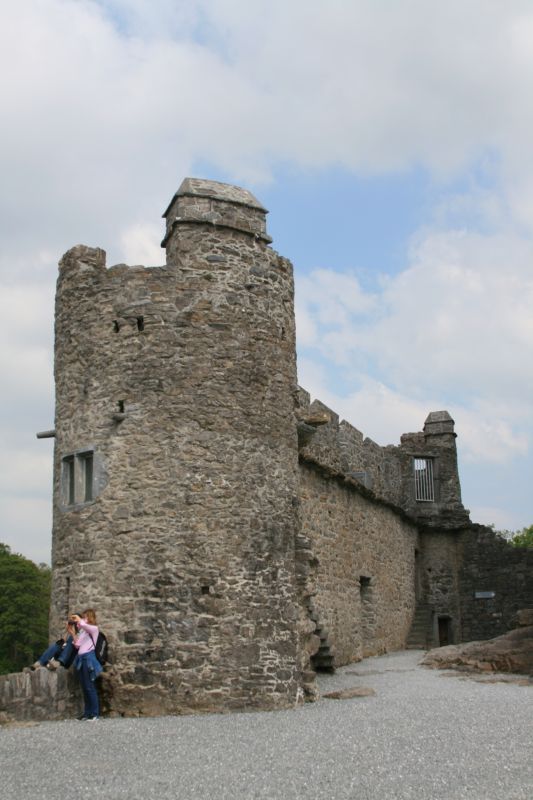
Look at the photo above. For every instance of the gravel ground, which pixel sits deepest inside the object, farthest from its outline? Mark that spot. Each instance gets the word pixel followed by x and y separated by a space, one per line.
pixel 425 735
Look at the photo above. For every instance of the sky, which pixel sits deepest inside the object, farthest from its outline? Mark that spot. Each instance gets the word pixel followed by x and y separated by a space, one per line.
pixel 391 141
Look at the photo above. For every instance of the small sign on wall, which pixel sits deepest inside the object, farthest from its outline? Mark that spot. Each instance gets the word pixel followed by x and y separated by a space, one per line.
pixel 484 595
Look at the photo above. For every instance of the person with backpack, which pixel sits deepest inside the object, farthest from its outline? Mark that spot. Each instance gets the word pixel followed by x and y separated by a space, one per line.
pixel 86 662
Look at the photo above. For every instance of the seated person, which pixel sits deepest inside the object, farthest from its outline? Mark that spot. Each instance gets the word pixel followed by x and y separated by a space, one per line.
pixel 61 653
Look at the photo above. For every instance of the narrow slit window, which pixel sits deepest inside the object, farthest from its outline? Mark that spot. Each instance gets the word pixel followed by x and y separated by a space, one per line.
pixel 140 323
pixel 87 461
pixel 69 480
pixel 424 484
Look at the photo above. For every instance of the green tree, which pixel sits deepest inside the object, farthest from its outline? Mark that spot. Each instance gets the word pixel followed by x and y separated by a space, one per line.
pixel 24 608
pixel 524 538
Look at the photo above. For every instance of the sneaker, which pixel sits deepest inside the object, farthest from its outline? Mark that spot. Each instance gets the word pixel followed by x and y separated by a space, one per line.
pixel 90 719
pixel 53 664
pixel 36 665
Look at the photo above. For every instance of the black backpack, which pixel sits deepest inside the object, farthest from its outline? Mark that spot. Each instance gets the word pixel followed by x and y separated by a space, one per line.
pixel 101 648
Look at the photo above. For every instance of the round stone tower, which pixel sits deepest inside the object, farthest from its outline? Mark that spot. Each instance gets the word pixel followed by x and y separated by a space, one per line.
pixel 175 511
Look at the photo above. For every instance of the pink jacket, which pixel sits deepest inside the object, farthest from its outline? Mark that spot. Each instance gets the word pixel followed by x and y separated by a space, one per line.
pixel 87 637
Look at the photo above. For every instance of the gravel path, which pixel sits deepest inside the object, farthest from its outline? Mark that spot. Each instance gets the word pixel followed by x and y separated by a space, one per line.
pixel 424 735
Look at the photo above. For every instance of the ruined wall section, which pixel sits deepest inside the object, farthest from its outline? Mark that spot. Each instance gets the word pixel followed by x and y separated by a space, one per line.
pixel 340 446
pixel 365 574
pixel 438 582
pixel 495 581
pixel 181 380
pixel 474 579
pixel 388 472
pixel 39 695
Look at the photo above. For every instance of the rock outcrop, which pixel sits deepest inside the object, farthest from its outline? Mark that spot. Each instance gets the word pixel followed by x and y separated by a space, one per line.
pixel 512 652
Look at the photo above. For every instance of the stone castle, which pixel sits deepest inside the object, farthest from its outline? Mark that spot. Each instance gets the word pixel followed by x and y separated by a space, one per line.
pixel 234 536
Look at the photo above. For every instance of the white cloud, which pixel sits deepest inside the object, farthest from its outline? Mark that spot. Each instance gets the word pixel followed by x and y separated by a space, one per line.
pixel 490 438
pixel 454 329
pixel 375 409
pixel 462 313
pixel 500 518
pixel 26 526
pixel 141 244
pixel 368 86
pixel 26 343
pixel 28 471
pixel 110 104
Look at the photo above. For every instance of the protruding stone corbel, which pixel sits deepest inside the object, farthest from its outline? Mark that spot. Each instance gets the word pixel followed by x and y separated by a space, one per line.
pixel 46 434
pixel 308 424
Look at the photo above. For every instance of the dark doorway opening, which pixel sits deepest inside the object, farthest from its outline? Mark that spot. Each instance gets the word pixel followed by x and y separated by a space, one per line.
pixel 445 631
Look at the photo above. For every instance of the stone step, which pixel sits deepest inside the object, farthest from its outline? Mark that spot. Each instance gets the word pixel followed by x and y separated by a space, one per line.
pixel 420 632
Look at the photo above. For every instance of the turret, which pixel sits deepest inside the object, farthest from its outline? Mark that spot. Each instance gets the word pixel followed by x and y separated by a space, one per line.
pixel 430 475
pixel 176 460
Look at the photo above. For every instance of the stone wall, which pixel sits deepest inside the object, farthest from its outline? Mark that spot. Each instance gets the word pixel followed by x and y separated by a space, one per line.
pixel 44 694
pixel 437 582
pixel 388 471
pixel 365 552
pixel 489 564
pixel 39 695
pixel 454 558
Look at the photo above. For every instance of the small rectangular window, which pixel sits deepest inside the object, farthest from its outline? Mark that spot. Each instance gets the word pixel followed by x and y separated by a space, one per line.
pixel 87 461
pixel 69 485
pixel 77 478
pixel 424 484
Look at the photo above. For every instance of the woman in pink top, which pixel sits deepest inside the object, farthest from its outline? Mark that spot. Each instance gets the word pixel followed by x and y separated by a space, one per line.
pixel 86 662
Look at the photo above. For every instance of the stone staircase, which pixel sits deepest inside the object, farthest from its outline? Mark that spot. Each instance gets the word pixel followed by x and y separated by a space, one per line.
pixel 421 634
pixel 323 659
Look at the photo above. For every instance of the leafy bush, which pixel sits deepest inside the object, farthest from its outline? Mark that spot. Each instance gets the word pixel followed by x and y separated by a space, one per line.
pixel 524 538
pixel 24 608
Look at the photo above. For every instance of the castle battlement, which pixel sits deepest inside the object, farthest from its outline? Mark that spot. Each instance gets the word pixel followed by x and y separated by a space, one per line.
pixel 390 471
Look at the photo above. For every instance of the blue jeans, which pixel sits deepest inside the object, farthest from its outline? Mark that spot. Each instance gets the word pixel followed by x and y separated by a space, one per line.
pixel 65 654
pixel 90 695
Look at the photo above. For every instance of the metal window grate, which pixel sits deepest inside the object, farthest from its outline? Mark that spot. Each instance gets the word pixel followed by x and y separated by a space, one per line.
pixel 424 487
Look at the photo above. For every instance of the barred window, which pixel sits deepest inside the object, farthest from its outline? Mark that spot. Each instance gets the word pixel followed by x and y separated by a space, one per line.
pixel 424 485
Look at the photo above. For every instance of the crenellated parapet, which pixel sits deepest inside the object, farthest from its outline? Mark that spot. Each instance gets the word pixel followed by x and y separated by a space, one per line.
pixel 420 475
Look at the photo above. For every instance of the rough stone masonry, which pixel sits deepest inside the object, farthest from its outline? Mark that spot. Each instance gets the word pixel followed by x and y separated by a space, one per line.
pixel 234 536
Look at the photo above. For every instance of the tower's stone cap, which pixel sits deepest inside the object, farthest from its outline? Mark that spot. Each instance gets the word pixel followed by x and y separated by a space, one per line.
pixel 199 187
pixel 439 422
pixel 201 201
